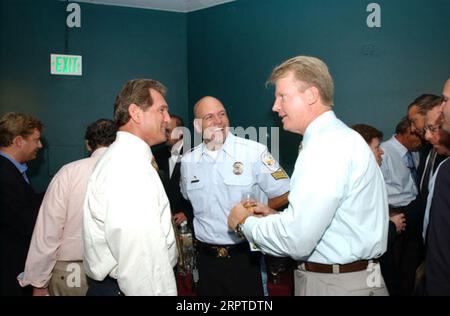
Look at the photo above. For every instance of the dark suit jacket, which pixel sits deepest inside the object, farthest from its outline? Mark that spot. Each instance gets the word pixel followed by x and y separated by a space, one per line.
pixel 437 259
pixel 172 184
pixel 19 206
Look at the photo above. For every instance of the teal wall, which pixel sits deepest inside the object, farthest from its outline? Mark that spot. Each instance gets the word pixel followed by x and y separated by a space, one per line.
pixel 227 51
pixel 117 44
pixel 377 72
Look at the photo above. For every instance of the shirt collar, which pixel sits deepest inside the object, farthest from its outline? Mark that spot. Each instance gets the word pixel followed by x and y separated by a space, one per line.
pixel 227 148
pixel 176 148
pixel 99 151
pixel 22 167
pixel 133 140
pixel 402 150
pixel 319 123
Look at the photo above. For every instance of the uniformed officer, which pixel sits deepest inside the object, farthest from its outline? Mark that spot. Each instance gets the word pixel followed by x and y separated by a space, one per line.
pixel 215 176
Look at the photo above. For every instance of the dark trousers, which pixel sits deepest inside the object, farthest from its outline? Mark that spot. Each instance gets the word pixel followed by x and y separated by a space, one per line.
pixel 238 275
pixel 408 250
pixel 107 287
pixel 387 263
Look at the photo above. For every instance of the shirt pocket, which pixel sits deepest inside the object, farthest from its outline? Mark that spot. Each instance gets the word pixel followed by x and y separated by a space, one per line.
pixel 237 185
pixel 195 190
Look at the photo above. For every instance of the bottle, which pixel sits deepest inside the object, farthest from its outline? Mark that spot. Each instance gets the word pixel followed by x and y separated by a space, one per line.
pixel 187 247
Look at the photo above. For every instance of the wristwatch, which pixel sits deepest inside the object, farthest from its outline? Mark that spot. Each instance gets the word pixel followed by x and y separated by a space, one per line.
pixel 240 229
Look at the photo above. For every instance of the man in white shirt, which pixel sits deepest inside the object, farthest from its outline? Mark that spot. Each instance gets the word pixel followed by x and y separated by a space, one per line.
pixel 129 243
pixel 54 263
pixel 337 219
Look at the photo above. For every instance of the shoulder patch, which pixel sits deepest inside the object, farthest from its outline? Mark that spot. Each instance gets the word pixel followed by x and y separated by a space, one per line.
pixel 279 174
pixel 269 161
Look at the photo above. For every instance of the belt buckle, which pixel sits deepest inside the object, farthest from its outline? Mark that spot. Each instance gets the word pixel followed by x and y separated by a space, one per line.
pixel 222 252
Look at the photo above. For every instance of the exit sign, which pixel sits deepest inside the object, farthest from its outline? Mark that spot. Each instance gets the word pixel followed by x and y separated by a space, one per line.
pixel 69 65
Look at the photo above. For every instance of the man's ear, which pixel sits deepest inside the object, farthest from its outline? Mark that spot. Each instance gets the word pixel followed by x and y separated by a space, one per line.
pixel 312 95
pixel 18 141
pixel 88 148
pixel 198 125
pixel 135 113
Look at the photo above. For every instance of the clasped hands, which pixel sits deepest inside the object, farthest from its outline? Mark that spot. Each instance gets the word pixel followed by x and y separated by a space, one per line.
pixel 239 212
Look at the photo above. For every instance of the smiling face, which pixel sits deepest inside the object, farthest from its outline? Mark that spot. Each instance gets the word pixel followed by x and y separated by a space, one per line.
pixel 154 120
pixel 29 146
pixel 291 104
pixel 211 120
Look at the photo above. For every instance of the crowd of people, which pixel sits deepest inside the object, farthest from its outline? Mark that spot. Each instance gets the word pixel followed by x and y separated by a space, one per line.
pixel 359 216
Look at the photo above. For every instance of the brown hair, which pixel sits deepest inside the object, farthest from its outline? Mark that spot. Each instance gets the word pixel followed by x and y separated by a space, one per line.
pixel 135 91
pixel 17 124
pixel 368 132
pixel 100 133
pixel 426 102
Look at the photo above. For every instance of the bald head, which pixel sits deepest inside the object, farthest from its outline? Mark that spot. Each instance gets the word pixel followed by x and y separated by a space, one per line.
pixel 211 119
pixel 203 102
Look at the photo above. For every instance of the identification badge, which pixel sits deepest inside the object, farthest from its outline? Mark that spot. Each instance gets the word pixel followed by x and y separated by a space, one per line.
pixel 238 168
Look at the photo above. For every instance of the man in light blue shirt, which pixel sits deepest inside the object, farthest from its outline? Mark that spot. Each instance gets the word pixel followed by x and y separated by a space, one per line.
pixel 396 168
pixel 215 176
pixel 337 219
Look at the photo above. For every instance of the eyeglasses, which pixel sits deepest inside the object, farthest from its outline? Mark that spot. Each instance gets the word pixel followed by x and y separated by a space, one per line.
pixel 432 128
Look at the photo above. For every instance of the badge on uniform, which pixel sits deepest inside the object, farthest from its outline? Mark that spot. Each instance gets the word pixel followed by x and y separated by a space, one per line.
pixel 269 161
pixel 280 174
pixel 238 168
pixel 195 180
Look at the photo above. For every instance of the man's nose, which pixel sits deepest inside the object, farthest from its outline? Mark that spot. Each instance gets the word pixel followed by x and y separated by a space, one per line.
pixel 275 107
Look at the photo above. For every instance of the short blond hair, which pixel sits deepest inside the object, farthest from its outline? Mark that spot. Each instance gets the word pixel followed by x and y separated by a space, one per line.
pixel 17 124
pixel 309 70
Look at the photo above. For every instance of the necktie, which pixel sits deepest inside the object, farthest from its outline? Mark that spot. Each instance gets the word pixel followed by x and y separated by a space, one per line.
pixel 154 164
pixel 24 175
pixel 412 167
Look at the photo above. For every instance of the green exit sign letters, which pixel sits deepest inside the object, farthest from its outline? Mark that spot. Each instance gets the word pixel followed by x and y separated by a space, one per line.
pixel 69 65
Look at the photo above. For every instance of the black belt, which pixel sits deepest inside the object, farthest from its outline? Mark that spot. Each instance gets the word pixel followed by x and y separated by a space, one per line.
pixel 223 251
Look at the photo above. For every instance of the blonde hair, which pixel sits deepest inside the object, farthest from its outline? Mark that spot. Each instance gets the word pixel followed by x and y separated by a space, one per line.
pixel 17 124
pixel 309 70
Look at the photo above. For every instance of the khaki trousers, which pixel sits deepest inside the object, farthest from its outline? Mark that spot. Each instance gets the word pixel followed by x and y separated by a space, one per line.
pixel 68 279
pixel 368 282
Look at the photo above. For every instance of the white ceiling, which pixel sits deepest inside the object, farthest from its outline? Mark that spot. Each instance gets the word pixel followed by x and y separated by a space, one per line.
pixel 165 5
